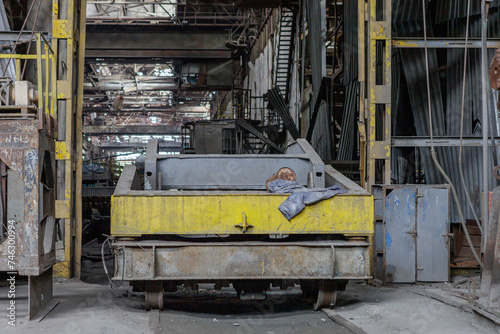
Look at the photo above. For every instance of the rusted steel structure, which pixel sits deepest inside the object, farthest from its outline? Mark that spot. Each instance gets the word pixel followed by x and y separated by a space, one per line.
pixel 28 185
pixel 40 151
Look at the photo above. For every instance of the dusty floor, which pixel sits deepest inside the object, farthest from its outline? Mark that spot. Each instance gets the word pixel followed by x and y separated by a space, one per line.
pixel 399 309
pixel 95 308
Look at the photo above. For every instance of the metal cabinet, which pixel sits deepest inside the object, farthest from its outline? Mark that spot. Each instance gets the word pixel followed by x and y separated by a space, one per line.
pixel 411 233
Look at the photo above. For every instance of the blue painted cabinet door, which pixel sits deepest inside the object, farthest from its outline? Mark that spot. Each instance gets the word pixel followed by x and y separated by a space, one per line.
pixel 432 235
pixel 399 236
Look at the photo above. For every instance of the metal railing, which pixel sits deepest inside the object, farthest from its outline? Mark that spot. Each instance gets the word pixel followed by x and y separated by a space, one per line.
pixel 46 72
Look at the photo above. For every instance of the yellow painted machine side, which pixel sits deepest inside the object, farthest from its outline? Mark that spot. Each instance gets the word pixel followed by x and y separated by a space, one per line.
pixel 220 213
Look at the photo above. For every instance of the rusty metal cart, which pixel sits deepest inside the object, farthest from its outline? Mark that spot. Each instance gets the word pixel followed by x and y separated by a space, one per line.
pixel 188 219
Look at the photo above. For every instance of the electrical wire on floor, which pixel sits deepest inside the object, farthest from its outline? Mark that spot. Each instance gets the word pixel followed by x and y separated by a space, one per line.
pixel 433 151
pixel 460 164
pixel 114 252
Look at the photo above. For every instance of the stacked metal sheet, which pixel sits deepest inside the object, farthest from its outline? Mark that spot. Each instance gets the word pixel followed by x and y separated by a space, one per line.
pixel 347 141
pixel 446 95
pixel 322 136
pixel 453 9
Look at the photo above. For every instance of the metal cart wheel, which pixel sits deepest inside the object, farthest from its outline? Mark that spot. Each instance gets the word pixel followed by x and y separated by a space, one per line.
pixel 154 295
pixel 326 295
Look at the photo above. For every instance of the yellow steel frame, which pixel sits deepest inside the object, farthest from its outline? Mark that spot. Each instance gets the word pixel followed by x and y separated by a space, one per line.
pixel 229 213
pixel 378 94
pixel 68 27
pixel 46 59
pixel 362 88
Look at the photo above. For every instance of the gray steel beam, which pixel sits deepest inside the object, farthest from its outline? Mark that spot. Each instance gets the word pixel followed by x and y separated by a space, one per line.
pixel 12 36
pixel 439 141
pixel 104 44
pixel 448 43
pixel 125 111
pixel 113 53
pixel 97 130
pixel 124 146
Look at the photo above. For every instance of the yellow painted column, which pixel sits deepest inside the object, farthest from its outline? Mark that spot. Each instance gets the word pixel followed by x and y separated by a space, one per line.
pixel 379 93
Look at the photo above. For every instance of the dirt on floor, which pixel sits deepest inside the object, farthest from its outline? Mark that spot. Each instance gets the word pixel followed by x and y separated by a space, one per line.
pixel 403 309
pixel 95 308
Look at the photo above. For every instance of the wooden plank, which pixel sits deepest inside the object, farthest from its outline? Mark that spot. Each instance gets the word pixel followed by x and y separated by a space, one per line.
pixel 473 229
pixel 464 263
pixel 467 253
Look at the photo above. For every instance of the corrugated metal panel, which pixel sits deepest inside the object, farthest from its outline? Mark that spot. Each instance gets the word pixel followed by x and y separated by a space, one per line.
pixel 446 95
pixel 454 9
pixel 322 138
pixel 348 130
pixel 98 191
pixel 347 142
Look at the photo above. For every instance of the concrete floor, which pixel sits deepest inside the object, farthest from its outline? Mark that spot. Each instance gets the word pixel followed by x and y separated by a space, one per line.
pixel 95 308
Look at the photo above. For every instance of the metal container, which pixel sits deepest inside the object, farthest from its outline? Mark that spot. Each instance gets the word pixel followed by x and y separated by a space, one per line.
pixel 203 218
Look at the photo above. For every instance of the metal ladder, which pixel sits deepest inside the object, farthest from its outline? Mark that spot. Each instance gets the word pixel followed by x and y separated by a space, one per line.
pixel 284 55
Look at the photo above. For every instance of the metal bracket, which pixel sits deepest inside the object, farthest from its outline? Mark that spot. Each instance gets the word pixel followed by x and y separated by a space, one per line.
pixel 413 233
pixel 62 29
pixel 63 89
pixel 62 209
pixel 362 131
pixel 244 225
pixel 380 150
pixel 62 150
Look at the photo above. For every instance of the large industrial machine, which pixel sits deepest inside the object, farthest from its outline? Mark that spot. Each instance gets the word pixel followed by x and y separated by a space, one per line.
pixel 188 219
pixel 40 155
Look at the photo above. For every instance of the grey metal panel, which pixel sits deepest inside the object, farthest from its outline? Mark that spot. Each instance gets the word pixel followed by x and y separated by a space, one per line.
pixel 399 243
pixel 40 292
pixel 432 235
pixel 250 260
pixel 220 262
pixel 150 165
pixel 100 39
pixel 379 237
pixel 208 136
pixel 212 171
pixel 233 172
pixel 15 197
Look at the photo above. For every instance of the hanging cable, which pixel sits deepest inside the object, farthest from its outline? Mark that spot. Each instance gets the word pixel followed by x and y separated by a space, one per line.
pixel 114 253
pixel 433 152
pixel 460 165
